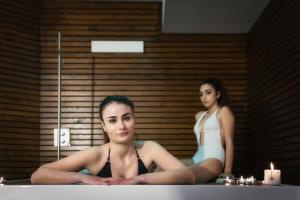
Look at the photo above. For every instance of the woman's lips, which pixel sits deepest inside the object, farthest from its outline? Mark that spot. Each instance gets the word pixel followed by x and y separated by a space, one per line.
pixel 123 133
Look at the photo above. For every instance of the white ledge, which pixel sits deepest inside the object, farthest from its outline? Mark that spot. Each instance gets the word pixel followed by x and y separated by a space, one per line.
pixel 148 192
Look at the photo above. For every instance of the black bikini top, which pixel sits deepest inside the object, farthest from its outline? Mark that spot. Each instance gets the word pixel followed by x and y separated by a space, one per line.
pixel 106 170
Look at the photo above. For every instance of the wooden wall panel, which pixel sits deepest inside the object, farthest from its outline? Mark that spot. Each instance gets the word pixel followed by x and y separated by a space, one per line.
pixel 274 73
pixel 20 90
pixel 163 81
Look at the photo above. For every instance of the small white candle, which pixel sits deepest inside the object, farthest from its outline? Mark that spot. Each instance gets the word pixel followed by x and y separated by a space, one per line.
pixel 1 181
pixel 250 180
pixel 272 176
pixel 227 181
pixel 241 181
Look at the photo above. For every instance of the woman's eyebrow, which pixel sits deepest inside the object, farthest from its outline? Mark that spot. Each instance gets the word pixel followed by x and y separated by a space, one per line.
pixel 112 117
pixel 126 114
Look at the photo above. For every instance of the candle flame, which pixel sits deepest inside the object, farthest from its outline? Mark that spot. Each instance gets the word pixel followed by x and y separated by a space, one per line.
pixel 272 166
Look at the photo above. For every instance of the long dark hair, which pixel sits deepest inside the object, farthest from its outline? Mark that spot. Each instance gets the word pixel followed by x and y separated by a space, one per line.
pixel 223 100
pixel 110 99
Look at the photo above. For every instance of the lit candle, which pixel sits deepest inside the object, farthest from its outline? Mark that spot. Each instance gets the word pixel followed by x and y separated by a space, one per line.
pixel 250 180
pixel 2 180
pixel 272 176
pixel 241 181
pixel 227 181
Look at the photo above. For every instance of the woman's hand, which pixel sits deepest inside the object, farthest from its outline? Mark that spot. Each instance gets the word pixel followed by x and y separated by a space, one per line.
pixel 133 181
pixel 95 180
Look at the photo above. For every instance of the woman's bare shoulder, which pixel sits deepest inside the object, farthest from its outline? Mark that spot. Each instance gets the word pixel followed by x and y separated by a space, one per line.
pixel 144 143
pixel 225 112
pixel 93 153
pixel 148 145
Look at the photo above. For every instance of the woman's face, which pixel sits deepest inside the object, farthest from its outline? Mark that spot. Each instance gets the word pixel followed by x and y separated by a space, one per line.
pixel 208 95
pixel 118 122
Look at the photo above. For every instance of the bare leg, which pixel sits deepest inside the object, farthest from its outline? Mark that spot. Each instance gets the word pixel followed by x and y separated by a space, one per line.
pixel 206 170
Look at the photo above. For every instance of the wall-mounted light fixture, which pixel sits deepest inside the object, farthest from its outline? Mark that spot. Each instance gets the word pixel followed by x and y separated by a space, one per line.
pixel 117 46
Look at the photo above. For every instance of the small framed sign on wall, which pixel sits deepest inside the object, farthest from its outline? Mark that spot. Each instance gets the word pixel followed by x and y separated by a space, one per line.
pixel 117 46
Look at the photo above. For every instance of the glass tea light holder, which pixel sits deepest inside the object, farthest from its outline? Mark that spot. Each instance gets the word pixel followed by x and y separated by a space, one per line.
pixel 229 181
pixel 2 181
pixel 241 181
pixel 246 181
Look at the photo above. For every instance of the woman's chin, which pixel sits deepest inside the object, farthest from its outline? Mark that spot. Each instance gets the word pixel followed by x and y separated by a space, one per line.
pixel 125 140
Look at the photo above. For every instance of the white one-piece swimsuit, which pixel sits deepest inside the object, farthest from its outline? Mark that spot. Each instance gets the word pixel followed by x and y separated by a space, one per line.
pixel 212 146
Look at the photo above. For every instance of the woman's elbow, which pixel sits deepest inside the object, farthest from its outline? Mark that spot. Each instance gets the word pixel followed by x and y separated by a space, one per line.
pixel 36 176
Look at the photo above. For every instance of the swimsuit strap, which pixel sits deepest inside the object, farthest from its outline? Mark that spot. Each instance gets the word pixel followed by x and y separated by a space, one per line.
pixel 137 154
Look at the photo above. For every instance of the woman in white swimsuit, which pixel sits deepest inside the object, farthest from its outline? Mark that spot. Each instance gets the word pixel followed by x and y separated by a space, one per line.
pixel 214 130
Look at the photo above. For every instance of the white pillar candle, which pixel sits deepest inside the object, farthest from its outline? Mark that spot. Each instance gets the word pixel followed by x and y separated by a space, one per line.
pixel 272 176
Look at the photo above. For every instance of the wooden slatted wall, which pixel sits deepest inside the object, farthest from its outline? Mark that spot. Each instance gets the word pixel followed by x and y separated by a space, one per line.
pixel 274 97
pixel 163 82
pixel 19 81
